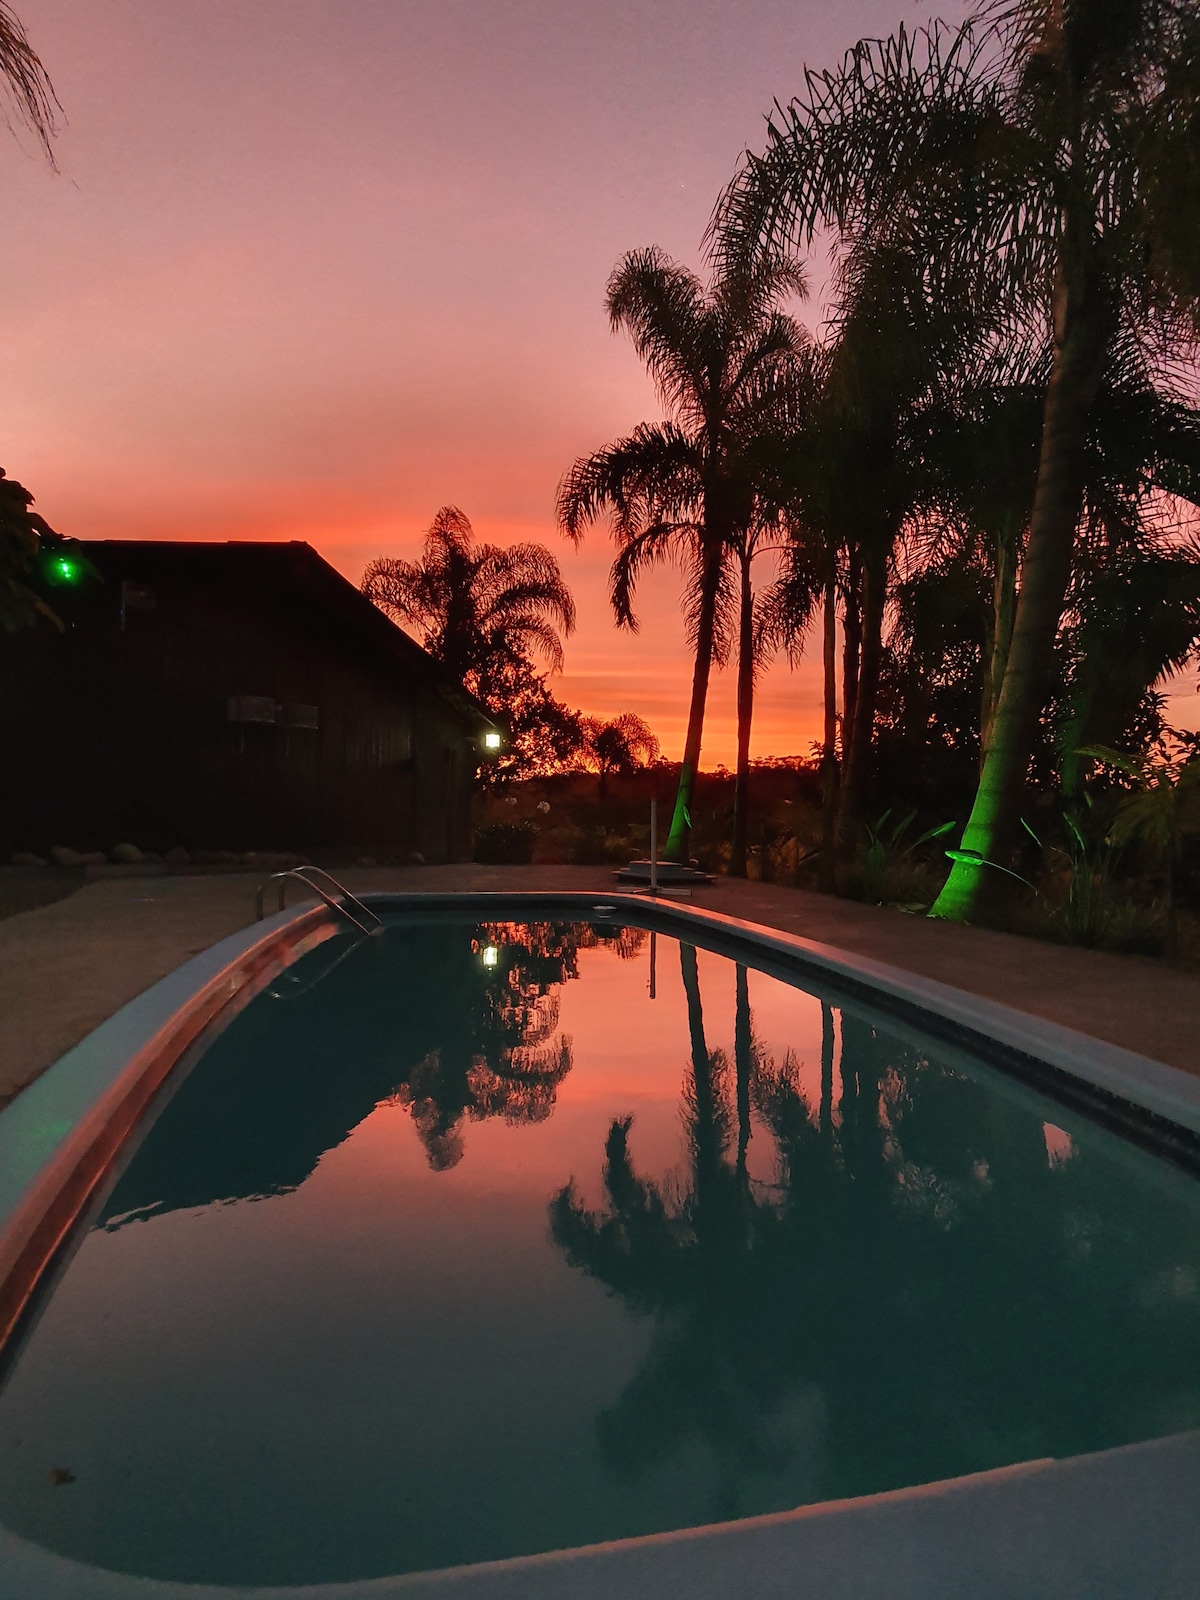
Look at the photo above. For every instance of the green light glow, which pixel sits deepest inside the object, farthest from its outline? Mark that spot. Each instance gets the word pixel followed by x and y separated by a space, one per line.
pixel 64 569
pixel 969 858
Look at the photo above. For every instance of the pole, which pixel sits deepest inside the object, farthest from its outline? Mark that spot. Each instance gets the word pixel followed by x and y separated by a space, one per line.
pixel 653 964
pixel 654 847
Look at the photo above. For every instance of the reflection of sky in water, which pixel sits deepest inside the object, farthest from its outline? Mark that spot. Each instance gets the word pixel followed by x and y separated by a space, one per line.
pixel 390 1284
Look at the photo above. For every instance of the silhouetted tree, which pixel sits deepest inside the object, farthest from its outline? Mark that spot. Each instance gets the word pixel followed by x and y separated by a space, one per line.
pixel 724 360
pixel 620 745
pixel 489 613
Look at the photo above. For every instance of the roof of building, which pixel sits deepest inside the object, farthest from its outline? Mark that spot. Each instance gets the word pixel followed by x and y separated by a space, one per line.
pixel 293 572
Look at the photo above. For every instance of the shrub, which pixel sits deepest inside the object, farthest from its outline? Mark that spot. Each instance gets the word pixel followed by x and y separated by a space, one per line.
pixel 505 843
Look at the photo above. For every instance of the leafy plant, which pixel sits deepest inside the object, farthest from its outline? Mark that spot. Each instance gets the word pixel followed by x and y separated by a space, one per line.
pixel 1163 806
pixel 505 843
pixel 886 851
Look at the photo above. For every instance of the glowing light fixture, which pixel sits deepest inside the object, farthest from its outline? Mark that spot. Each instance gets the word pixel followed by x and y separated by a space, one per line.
pixel 969 858
pixel 972 858
pixel 491 741
pixel 490 955
pixel 64 569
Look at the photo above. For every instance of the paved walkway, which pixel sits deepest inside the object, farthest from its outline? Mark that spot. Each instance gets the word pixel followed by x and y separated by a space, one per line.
pixel 66 966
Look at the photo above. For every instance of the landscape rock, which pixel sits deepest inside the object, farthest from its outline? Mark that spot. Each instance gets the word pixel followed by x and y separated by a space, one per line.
pixel 275 860
pixel 415 858
pixel 126 855
pixel 63 856
pixel 177 857
pixel 26 858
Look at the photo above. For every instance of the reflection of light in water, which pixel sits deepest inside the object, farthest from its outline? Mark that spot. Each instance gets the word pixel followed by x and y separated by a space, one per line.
pixel 491 955
pixel 1059 1148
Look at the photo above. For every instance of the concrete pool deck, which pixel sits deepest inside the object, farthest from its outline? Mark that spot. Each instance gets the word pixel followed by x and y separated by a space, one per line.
pixel 68 965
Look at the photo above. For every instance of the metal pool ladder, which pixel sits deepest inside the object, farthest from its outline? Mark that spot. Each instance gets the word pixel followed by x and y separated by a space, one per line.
pixel 363 918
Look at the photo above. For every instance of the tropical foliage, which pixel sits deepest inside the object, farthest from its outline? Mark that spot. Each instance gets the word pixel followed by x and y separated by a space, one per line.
pixel 619 744
pixel 28 96
pixel 1037 167
pixel 727 363
pixel 982 477
pixel 496 618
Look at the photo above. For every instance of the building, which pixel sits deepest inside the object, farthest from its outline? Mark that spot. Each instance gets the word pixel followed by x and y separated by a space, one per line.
pixel 239 696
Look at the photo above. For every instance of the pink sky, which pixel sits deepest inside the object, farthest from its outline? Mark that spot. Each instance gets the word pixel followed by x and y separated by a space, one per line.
pixel 311 270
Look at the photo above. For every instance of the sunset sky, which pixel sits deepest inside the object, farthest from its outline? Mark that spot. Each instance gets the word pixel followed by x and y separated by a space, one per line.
pixel 312 268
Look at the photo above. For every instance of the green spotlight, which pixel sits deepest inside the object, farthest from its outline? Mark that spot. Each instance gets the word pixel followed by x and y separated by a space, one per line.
pixel 64 569
pixel 972 858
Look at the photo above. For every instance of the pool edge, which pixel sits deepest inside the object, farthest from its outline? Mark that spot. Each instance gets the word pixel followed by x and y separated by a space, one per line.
pixel 61 1135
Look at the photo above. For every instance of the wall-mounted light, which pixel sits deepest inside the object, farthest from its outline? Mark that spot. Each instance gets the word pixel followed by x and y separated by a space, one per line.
pixel 64 569
pixel 491 741
pixel 489 955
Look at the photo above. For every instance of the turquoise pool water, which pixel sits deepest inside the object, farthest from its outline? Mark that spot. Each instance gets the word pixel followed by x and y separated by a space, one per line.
pixel 479 1244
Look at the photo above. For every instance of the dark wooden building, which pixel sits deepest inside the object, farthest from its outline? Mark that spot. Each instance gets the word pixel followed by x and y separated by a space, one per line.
pixel 238 696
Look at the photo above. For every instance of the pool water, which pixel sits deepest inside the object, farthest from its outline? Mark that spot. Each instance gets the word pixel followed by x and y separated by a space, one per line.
pixel 495 1239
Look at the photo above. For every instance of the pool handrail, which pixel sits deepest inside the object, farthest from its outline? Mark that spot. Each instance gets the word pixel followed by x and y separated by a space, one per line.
pixel 347 899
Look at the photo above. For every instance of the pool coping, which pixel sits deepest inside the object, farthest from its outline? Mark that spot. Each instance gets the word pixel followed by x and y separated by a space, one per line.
pixel 60 1138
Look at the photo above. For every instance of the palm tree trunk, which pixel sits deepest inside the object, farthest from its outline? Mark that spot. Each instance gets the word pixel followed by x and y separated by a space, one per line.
pixel 706 1131
pixel 678 843
pixel 851 650
pixel 1004 606
pixel 743 1050
pixel 745 712
pixel 858 760
pixel 825 1113
pixel 829 761
pixel 1081 328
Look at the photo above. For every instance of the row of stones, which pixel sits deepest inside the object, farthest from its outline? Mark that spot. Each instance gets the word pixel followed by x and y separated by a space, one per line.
pixel 129 855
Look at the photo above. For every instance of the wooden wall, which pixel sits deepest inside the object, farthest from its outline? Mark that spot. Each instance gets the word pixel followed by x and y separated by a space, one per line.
pixel 120 728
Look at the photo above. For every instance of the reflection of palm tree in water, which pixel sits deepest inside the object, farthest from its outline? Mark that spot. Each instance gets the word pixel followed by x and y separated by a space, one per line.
pixel 881 1312
pixel 685 1259
pixel 502 1054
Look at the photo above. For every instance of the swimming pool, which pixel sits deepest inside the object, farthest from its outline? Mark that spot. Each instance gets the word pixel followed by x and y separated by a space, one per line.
pixel 512 1230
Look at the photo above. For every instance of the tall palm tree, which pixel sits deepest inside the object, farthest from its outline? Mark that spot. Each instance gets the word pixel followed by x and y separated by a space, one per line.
pixel 483 610
pixel 859 480
pixel 1050 147
pixel 722 359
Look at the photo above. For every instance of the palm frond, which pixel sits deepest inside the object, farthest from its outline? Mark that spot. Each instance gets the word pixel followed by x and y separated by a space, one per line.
pixel 26 85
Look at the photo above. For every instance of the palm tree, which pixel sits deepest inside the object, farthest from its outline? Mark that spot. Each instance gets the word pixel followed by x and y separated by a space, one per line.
pixel 723 359
pixel 1049 149
pixel 485 611
pixel 622 744
pixel 775 618
pixel 860 481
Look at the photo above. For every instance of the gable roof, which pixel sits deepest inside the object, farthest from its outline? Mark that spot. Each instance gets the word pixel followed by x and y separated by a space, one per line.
pixel 289 572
